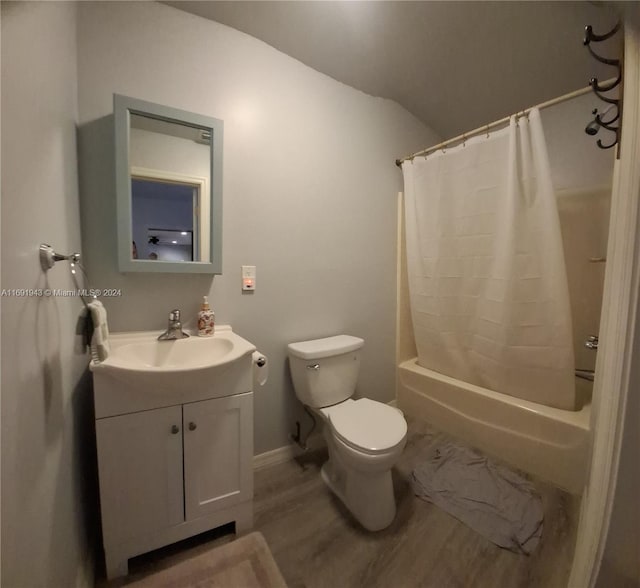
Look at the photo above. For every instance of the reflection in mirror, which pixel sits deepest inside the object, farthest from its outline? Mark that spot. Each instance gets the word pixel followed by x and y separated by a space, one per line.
pixel 169 245
pixel 169 166
pixel 169 201
pixel 173 206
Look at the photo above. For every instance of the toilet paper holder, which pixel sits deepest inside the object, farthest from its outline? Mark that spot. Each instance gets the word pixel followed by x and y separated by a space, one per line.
pixel 260 369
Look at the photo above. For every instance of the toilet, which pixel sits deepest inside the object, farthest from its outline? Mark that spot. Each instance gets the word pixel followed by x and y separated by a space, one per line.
pixel 365 438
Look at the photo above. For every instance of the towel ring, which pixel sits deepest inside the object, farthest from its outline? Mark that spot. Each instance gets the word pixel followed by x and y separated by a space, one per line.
pixel 48 257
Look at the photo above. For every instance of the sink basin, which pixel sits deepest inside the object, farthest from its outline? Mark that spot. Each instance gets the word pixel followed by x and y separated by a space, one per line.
pixel 179 355
pixel 191 364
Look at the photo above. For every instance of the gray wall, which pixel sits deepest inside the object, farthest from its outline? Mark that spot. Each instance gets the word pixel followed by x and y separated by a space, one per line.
pixel 46 412
pixel 309 191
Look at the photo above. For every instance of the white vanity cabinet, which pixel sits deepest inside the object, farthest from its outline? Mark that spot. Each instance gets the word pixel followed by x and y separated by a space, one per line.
pixel 172 463
pixel 140 470
pixel 218 452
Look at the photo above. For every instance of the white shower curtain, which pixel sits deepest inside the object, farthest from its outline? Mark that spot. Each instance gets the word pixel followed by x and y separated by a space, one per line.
pixel 487 280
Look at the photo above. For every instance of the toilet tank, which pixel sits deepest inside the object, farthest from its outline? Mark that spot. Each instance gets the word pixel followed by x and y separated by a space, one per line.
pixel 325 371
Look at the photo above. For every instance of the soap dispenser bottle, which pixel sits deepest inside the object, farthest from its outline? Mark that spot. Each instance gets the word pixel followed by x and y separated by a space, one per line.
pixel 206 320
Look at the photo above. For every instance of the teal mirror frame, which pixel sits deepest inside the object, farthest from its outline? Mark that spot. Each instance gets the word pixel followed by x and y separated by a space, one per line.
pixel 123 108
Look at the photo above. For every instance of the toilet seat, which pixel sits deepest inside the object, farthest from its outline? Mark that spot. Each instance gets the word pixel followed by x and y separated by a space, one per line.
pixel 367 425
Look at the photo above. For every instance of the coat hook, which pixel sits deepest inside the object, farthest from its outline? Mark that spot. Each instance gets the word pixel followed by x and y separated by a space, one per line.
pixel 589 35
pixel 600 144
pixel 594 126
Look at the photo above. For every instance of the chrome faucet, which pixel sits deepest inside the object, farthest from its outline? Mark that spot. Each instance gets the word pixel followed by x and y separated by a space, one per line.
pixel 174 330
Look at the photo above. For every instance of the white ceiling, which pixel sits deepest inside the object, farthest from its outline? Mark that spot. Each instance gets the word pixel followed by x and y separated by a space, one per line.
pixel 455 65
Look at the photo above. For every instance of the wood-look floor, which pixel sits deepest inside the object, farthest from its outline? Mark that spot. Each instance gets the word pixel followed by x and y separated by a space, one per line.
pixel 317 544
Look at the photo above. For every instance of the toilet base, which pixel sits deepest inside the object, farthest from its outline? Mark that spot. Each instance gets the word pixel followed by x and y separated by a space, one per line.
pixel 369 497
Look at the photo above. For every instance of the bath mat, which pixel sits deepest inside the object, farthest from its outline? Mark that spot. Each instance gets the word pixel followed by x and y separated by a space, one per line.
pixel 246 562
pixel 490 498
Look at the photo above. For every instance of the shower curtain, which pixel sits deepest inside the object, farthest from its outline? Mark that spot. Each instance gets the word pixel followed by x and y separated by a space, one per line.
pixel 487 280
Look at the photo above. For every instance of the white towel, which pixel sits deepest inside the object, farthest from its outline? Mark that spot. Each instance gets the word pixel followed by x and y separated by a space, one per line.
pixel 100 339
pixel 83 332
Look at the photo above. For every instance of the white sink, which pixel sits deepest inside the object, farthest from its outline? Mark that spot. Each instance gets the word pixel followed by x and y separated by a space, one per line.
pixel 142 361
pixel 179 355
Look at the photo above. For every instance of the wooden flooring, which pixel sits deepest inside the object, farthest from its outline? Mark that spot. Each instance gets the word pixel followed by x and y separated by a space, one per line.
pixel 317 544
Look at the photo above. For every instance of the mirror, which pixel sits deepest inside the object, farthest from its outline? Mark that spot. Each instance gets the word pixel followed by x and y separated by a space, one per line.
pixel 169 188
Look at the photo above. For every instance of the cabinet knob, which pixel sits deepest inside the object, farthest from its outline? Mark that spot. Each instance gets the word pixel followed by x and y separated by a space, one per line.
pixel 175 429
pixel 192 426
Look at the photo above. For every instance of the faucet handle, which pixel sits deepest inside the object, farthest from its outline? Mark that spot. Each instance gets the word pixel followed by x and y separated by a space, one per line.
pixel 174 315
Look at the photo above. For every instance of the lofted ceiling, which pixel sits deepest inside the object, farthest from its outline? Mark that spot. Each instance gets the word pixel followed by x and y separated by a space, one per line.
pixel 455 65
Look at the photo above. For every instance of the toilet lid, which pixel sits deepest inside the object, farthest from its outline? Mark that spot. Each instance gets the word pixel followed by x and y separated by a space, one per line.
pixel 368 425
pixel 327 347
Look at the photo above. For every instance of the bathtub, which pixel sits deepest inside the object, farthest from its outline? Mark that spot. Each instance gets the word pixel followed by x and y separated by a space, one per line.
pixel 549 443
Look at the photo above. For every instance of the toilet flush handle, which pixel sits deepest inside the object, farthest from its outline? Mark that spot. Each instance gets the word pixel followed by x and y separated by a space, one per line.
pixel 313 366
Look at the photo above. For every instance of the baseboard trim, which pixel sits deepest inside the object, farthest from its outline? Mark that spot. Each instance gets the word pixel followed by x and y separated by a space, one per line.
pixel 273 457
pixel 291 451
pixel 286 453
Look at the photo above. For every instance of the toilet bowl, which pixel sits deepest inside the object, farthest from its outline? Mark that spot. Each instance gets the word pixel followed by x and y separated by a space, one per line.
pixel 365 438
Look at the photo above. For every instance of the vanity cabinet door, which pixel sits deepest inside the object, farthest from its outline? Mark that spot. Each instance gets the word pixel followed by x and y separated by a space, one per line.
pixel 218 452
pixel 140 469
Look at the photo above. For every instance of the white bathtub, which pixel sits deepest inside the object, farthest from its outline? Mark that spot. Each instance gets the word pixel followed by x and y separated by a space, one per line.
pixel 547 442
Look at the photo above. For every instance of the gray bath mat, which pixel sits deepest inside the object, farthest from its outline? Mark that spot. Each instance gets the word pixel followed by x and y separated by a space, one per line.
pixel 490 498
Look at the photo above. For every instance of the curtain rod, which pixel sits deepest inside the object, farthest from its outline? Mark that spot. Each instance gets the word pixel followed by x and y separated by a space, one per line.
pixel 486 128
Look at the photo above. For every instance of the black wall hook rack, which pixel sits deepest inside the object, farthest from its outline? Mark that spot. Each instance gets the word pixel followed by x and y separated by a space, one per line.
pixel 601 89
